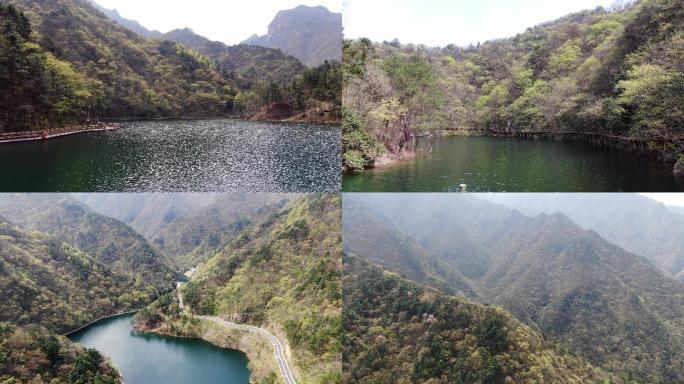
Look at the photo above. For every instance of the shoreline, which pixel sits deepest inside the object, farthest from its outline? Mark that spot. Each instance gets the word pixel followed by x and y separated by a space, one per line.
pixel 46 134
pixel 51 133
pixel 99 319
pixel 253 346
pixel 633 146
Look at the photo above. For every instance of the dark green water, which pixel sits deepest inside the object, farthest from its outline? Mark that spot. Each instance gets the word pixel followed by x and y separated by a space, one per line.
pixel 146 358
pixel 490 164
pixel 218 155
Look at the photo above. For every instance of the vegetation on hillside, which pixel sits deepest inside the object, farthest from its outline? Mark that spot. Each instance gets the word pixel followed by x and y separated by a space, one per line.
pixel 38 89
pixel 33 355
pixel 396 331
pixel 611 73
pixel 611 307
pixel 122 74
pixel 108 241
pixel 64 62
pixel 195 237
pixel 53 284
pixel 636 223
pixel 283 274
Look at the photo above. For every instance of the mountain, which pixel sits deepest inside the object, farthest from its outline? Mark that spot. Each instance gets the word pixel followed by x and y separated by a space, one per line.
pixel 126 74
pixel 631 221
pixel 127 23
pixel 106 240
pixel 398 331
pixel 612 307
pixel 47 282
pixel 245 63
pixel 312 34
pixel 147 213
pixel 193 238
pixel 282 273
pixel 384 243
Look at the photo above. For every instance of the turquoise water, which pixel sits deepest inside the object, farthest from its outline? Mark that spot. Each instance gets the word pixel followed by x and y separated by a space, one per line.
pixel 149 358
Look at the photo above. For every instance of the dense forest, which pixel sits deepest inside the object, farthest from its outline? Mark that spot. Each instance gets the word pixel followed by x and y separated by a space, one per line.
pixel 33 355
pixel 64 62
pixel 594 299
pixel 106 240
pixel 396 331
pixel 613 75
pixel 64 265
pixel 283 273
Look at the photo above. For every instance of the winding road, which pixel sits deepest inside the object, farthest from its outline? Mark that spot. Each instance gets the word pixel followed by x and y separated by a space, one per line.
pixel 278 348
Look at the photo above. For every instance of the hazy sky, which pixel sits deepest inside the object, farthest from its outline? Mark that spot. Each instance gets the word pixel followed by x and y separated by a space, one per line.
pixel 443 22
pixel 227 21
pixel 667 198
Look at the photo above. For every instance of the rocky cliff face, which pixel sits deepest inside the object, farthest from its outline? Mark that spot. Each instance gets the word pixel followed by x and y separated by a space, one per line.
pixel 312 34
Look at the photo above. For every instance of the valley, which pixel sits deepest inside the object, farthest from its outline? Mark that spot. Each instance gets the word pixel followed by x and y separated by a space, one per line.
pixel 66 264
pixel 609 307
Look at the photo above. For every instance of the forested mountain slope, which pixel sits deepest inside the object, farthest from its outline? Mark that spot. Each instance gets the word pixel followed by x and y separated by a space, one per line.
pixel 398 331
pixel 33 355
pixel 284 274
pixel 633 222
pixel 147 213
pixel 115 71
pixel 614 74
pixel 611 307
pixel 312 34
pixel 53 284
pixel 385 244
pixel 107 240
pixel 193 238
pixel 244 63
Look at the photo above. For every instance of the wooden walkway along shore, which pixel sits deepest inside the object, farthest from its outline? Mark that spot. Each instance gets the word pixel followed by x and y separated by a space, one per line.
pixel 600 139
pixel 14 137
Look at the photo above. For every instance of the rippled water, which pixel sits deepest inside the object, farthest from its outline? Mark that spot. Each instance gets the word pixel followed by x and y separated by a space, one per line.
pixel 202 155
pixel 149 358
pixel 490 164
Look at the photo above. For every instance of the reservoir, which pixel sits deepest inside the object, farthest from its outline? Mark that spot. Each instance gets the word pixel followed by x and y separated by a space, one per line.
pixel 216 155
pixel 150 358
pixel 495 164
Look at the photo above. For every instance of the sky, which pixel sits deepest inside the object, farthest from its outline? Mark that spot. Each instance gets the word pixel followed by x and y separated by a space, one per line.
pixel 460 22
pixel 667 198
pixel 227 21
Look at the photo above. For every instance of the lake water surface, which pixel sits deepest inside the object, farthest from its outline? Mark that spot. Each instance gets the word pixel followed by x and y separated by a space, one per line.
pixel 149 358
pixel 219 155
pixel 492 164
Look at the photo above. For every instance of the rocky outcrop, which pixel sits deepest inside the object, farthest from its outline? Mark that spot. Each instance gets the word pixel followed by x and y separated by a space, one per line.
pixel 311 34
pixel 679 167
